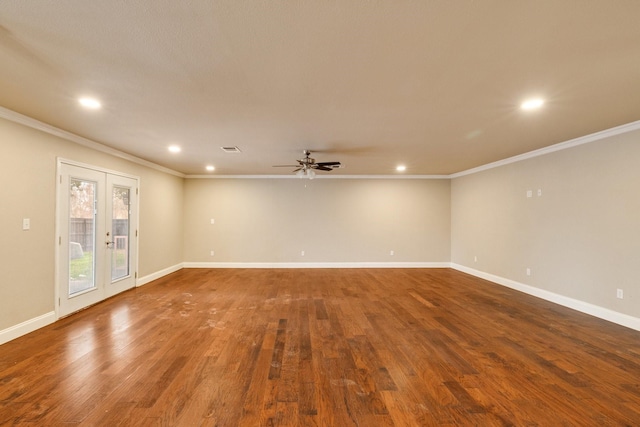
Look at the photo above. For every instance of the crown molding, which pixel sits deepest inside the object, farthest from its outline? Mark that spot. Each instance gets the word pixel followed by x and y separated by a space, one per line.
pixel 11 115
pixel 597 136
pixel 52 130
pixel 317 177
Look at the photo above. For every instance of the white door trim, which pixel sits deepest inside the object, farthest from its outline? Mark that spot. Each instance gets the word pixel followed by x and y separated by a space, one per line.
pixel 58 227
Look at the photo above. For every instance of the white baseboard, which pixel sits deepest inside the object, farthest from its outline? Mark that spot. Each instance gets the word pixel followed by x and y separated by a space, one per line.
pixel 31 325
pixel 581 306
pixel 317 265
pixel 622 319
pixel 158 274
pixel 26 327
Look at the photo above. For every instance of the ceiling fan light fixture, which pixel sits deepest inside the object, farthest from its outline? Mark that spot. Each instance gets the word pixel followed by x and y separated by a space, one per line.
pixel 306 173
pixel 307 166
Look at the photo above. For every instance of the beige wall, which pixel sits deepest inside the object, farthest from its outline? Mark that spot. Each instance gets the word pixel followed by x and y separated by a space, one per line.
pixel 332 220
pixel 581 238
pixel 161 222
pixel 28 177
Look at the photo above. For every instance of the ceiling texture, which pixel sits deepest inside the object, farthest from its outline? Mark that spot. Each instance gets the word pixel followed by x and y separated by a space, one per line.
pixel 434 85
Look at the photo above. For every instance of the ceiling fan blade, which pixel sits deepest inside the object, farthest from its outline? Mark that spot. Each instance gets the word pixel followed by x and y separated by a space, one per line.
pixel 307 164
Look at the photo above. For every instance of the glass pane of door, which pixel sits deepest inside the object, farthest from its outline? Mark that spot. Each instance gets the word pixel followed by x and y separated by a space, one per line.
pixel 120 226
pixel 82 235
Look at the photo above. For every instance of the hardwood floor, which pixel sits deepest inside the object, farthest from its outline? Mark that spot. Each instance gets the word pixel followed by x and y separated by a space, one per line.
pixel 323 347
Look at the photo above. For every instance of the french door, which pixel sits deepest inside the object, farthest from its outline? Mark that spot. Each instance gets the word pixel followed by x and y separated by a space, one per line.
pixel 97 236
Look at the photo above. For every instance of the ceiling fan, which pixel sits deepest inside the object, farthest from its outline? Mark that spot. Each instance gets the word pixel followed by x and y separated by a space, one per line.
pixel 306 166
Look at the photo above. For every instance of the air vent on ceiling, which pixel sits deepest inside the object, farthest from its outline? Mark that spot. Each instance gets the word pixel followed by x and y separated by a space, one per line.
pixel 230 149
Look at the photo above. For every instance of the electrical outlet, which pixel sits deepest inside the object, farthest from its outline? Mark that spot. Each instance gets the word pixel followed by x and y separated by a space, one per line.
pixel 213 221
pixel 475 259
pixel 528 272
pixel 301 253
pixel 391 253
pixel 539 192
pixel 619 294
pixel 529 193
pixel 212 253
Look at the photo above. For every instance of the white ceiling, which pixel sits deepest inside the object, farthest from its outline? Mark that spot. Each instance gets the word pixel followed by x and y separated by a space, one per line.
pixel 435 85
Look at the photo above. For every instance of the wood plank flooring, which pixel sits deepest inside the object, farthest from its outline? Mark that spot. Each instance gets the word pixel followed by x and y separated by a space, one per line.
pixel 322 347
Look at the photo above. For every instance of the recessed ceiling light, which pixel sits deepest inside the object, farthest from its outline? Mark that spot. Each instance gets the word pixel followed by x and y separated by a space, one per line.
pixel 90 103
pixel 532 104
pixel 401 168
pixel 211 168
pixel 175 149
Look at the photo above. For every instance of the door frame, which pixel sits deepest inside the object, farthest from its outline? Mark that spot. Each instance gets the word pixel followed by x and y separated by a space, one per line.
pixel 58 225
